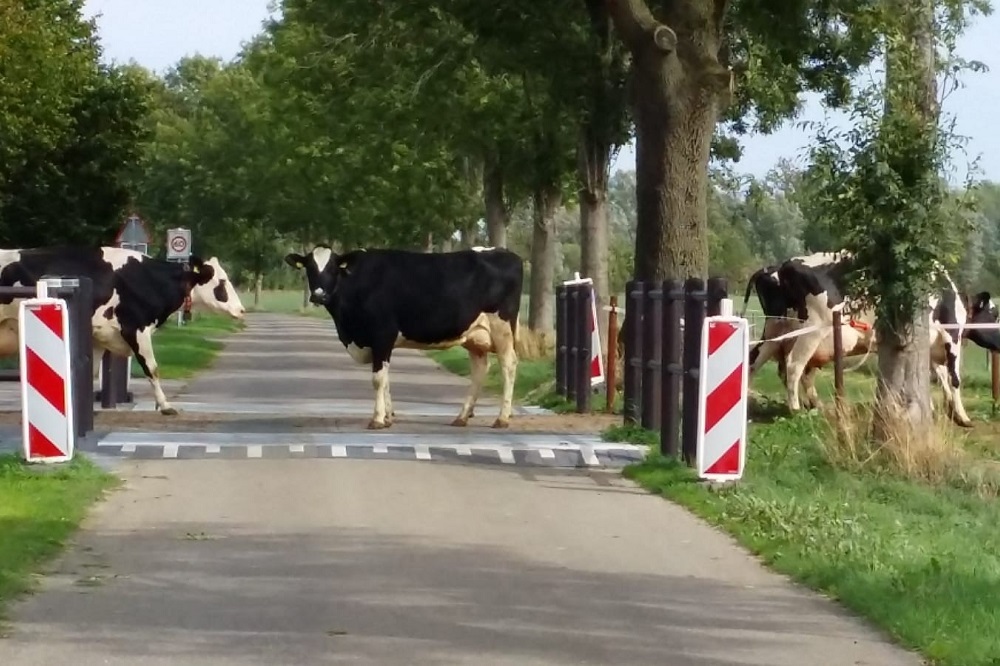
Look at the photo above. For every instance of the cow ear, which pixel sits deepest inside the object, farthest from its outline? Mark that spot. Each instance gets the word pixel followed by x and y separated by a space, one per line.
pixel 296 261
pixel 203 273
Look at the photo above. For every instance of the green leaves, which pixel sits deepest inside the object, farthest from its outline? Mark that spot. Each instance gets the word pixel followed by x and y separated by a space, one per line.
pixel 70 128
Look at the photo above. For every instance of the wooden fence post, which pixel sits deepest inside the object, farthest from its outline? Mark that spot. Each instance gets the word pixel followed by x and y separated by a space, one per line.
pixel 611 365
pixel 838 359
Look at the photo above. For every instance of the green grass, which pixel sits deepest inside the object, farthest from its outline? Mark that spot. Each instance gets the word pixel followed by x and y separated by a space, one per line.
pixel 533 383
pixel 281 301
pixel 182 351
pixel 39 509
pixel 923 562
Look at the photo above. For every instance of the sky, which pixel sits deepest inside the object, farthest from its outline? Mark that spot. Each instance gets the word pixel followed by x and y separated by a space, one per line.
pixel 158 34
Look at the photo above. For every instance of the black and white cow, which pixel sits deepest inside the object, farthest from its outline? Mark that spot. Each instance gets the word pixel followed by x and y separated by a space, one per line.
pixel 133 294
pixel 814 292
pixel 381 299
pixel 772 297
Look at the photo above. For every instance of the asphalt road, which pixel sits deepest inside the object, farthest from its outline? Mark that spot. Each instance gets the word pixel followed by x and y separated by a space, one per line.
pixel 389 562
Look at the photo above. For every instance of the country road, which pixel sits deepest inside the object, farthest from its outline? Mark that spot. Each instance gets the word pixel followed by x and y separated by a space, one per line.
pixel 219 551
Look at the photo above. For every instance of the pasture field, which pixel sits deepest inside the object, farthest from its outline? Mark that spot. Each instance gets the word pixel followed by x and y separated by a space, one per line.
pixel 39 510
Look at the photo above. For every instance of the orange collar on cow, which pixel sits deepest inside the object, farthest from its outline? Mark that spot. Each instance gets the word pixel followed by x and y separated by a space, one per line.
pixel 859 325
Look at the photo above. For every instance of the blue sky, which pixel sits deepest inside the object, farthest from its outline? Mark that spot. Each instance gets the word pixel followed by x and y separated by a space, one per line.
pixel 157 34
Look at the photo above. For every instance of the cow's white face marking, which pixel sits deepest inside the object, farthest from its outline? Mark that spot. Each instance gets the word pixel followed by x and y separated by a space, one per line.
pixel 359 354
pixel 119 256
pixel 210 295
pixel 322 256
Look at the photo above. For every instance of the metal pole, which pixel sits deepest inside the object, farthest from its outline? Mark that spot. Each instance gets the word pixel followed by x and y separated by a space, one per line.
pixel 612 355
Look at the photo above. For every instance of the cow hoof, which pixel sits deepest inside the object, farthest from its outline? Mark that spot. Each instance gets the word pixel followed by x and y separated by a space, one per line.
pixel 459 422
pixel 501 423
pixel 375 425
pixel 168 411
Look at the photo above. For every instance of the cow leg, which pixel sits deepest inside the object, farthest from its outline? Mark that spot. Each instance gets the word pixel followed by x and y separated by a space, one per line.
pixel 809 384
pixel 479 364
pixel 141 343
pixel 504 344
pixel 380 382
pixel 798 358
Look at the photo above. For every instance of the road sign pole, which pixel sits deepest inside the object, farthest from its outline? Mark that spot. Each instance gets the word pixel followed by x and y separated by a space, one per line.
pixel 179 250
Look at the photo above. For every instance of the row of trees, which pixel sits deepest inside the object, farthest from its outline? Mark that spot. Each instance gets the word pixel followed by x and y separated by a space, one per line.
pixel 406 124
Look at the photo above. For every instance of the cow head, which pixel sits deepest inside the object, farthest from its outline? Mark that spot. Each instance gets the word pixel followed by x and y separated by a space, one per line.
pixel 212 289
pixel 322 272
pixel 984 311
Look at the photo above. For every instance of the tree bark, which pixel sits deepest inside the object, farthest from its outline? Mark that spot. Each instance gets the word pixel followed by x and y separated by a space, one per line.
pixel 593 166
pixel 497 211
pixel 541 303
pixel 258 288
pixel 903 385
pixel 676 87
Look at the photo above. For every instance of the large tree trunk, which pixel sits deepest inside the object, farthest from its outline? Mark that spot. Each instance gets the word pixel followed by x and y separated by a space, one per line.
pixel 676 88
pixel 593 166
pixel 497 212
pixel 903 392
pixel 541 305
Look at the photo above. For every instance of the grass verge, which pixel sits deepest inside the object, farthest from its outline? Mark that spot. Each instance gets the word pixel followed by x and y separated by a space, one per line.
pixel 39 509
pixel 920 560
pixel 534 382
pixel 182 351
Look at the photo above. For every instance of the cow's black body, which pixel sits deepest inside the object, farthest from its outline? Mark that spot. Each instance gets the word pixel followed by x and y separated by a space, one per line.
pixel 381 299
pixel 427 298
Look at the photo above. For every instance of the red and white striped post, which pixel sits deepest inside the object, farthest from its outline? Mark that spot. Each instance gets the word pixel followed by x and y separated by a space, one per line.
pixel 46 386
pixel 722 392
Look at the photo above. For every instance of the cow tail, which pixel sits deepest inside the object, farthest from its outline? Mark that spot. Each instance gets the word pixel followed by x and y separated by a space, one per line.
pixel 750 282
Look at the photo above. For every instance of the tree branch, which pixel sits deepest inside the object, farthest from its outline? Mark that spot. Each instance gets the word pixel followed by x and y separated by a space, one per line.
pixel 638 27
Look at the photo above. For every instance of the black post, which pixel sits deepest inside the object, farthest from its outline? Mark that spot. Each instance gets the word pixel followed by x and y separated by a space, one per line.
pixel 81 331
pixel 694 319
pixel 632 378
pixel 650 358
pixel 572 339
pixel 561 344
pixel 77 292
pixel 718 289
pixel 670 367
pixel 584 349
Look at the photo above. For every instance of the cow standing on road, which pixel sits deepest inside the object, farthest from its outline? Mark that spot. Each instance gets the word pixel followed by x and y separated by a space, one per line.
pixel 381 299
pixel 133 294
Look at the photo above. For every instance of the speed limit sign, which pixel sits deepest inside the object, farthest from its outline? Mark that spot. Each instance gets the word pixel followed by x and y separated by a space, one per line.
pixel 178 244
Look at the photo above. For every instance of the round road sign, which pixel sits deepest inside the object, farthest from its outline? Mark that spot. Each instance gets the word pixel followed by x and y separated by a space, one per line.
pixel 178 244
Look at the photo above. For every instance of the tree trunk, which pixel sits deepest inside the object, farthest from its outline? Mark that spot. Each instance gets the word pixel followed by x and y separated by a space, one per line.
pixel 429 245
pixel 258 287
pixel 903 386
pixel 593 166
pixel 497 212
pixel 676 88
pixel 541 304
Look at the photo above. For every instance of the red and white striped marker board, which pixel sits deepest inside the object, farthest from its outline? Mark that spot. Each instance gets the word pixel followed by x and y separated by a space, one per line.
pixel 46 389
pixel 722 398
